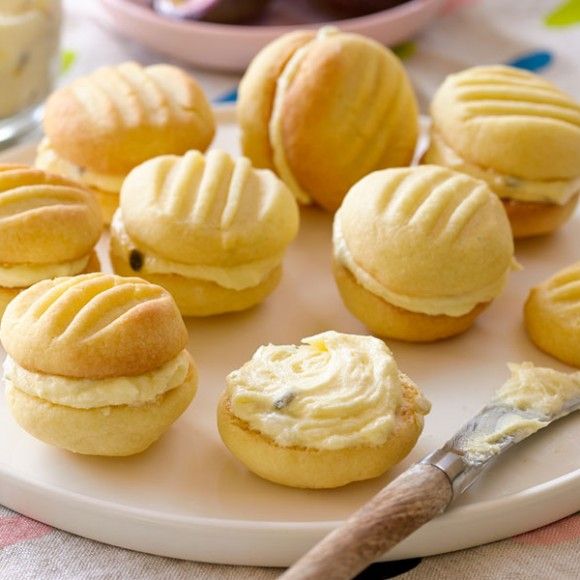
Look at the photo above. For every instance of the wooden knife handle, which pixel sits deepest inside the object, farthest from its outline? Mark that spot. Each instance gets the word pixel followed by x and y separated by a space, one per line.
pixel 411 500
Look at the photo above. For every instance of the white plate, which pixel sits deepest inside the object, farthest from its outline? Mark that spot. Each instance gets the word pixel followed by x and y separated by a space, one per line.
pixel 232 47
pixel 187 497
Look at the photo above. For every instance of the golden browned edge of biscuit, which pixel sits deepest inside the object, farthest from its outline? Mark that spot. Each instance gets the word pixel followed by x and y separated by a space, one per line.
pixel 118 430
pixel 530 219
pixel 555 333
pixel 257 92
pixel 7 294
pixel 196 297
pixel 387 320
pixel 320 468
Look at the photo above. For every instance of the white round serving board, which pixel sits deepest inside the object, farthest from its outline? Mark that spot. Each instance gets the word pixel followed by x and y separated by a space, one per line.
pixel 187 497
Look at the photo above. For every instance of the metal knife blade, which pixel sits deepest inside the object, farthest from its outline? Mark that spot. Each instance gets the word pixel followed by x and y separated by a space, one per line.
pixel 494 430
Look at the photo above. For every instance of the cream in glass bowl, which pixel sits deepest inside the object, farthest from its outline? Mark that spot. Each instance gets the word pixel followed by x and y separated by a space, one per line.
pixel 29 51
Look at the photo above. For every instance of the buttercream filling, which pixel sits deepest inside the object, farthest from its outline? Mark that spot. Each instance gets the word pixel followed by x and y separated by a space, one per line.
pixel 94 393
pixel 48 160
pixel 24 275
pixel 239 277
pixel 333 391
pixel 456 305
pixel 505 186
pixel 532 389
pixel 275 126
pixel 538 389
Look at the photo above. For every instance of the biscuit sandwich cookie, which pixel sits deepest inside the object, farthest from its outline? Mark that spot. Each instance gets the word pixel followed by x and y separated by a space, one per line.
pixel 552 315
pixel 419 252
pixel 48 227
pixel 517 132
pixel 323 110
pixel 210 229
pixel 101 126
pixel 96 363
pixel 332 410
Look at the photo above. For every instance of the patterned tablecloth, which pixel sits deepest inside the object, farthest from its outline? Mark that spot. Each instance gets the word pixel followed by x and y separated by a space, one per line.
pixel 541 35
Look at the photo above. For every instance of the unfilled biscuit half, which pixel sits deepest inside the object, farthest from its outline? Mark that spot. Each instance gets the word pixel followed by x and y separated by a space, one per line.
pixel 552 315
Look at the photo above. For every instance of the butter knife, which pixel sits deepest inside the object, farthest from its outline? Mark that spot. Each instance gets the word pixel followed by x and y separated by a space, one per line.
pixel 422 492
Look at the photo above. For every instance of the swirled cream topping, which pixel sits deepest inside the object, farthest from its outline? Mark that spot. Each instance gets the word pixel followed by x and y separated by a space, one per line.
pixel 24 275
pixel 505 186
pixel 90 394
pixel 331 392
pixel 456 305
pixel 238 277
pixel 275 127
pixel 48 159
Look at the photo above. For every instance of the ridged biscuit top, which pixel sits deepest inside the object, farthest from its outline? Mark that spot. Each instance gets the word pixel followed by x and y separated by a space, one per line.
pixel 328 110
pixel 44 218
pixel 117 117
pixel 426 231
pixel 561 294
pixel 93 326
pixel 209 209
pixel 511 121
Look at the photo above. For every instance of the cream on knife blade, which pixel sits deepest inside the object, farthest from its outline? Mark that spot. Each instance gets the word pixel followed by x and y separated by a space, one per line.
pixel 530 400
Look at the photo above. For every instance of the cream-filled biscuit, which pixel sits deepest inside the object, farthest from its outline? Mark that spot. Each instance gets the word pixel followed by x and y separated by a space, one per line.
pixel 212 230
pixel 517 132
pixel 48 228
pixel 323 110
pixel 101 126
pixel 552 315
pixel 96 363
pixel 419 252
pixel 332 410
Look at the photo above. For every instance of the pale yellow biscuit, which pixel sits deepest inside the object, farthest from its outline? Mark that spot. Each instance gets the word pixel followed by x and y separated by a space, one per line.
pixel 321 468
pixel 101 126
pixel 44 218
pixel 117 117
pixel 212 230
pixel 323 111
pixel 552 315
pixel 420 251
pixel 516 131
pixel 111 431
pixel 93 326
pixel 96 363
pixel 48 227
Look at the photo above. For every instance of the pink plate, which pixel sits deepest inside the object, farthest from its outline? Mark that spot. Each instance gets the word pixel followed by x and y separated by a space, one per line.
pixel 231 48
